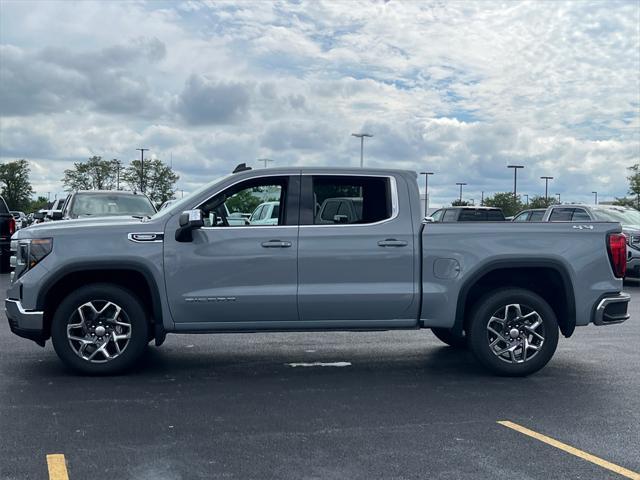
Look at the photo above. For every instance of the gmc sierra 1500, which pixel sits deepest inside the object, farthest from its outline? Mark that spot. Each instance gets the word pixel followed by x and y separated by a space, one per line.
pixel 102 289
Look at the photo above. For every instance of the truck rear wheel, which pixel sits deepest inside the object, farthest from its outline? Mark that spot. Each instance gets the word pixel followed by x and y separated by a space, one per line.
pixel 100 329
pixel 447 336
pixel 513 332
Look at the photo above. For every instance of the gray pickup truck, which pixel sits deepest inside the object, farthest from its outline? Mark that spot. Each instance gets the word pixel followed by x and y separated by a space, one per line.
pixel 102 289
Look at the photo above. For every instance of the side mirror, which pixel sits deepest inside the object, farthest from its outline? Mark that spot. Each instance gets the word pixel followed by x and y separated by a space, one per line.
pixel 38 216
pixel 340 219
pixel 429 220
pixel 189 221
pixel 55 215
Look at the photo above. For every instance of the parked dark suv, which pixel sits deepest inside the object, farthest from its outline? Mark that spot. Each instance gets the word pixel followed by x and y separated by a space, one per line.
pixel 467 214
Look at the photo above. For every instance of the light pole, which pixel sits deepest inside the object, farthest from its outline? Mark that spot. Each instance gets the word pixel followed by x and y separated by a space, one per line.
pixel 361 137
pixel 515 179
pixel 460 184
pixel 546 187
pixel 558 195
pixel 482 199
pixel 596 195
pixel 527 197
pixel 265 160
pixel 426 191
pixel 142 150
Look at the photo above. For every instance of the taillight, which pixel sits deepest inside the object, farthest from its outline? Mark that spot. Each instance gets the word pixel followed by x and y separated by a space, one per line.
pixel 12 226
pixel 617 247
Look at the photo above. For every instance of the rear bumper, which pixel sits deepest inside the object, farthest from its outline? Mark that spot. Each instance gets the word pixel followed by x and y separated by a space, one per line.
pixel 612 309
pixel 25 323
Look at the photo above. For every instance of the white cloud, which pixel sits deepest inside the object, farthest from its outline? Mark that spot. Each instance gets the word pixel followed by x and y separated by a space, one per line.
pixel 460 88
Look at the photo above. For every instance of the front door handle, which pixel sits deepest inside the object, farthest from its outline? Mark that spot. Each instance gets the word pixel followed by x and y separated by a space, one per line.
pixel 392 242
pixel 276 244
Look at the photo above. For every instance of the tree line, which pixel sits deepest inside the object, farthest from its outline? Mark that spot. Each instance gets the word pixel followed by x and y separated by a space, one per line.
pixel 159 182
pixel 158 179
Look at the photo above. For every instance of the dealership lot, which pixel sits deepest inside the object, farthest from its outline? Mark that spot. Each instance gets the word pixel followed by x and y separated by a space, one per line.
pixel 323 405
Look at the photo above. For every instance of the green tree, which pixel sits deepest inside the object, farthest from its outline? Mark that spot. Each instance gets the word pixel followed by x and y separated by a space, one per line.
pixel 159 180
pixel 16 187
pixel 94 174
pixel 460 203
pixel 541 202
pixel 35 205
pixel 634 183
pixel 244 202
pixel 626 202
pixel 509 204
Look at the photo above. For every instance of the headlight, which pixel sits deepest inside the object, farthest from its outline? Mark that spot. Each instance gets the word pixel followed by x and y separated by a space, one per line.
pixel 29 252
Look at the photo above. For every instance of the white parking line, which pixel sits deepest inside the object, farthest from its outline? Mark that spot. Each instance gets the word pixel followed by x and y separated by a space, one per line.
pixel 320 364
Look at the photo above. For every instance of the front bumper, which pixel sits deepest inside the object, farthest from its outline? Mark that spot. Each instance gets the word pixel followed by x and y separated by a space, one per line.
pixel 25 323
pixel 612 309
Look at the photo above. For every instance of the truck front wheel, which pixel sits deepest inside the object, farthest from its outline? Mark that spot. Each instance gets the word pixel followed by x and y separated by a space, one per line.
pixel 513 332
pixel 100 329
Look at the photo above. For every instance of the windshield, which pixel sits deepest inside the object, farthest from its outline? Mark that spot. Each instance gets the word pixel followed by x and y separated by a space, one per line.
pixel 107 204
pixel 184 203
pixel 626 216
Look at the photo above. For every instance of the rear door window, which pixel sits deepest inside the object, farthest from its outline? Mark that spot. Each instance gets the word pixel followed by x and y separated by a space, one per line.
pixel 561 215
pixel 536 216
pixel 580 215
pixel 351 199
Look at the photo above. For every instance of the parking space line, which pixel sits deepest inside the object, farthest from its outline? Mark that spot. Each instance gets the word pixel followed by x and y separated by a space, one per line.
pixel 573 451
pixel 57 466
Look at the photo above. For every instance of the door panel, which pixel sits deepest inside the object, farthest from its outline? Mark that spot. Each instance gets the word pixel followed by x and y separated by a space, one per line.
pixel 232 275
pixel 362 272
pixel 236 273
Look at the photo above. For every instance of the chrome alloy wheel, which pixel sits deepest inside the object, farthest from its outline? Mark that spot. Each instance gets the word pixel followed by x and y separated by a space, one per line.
pixel 515 333
pixel 99 331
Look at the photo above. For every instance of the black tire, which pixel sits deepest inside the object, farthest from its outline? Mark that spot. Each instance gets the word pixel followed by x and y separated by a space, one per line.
pixel 132 310
pixel 479 337
pixel 447 336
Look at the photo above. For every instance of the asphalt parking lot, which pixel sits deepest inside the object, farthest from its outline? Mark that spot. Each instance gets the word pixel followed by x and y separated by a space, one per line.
pixel 393 405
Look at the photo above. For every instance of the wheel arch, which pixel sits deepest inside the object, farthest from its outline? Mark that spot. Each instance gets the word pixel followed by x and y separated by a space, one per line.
pixel 548 278
pixel 134 276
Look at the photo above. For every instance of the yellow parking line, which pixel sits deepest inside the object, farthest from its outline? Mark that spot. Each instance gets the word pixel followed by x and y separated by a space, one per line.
pixel 573 451
pixel 57 467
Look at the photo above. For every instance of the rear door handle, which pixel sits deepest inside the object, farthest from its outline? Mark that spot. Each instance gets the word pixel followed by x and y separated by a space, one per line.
pixel 276 244
pixel 392 242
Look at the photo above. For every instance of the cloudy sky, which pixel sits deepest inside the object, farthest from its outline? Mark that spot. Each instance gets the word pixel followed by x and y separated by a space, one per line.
pixel 459 88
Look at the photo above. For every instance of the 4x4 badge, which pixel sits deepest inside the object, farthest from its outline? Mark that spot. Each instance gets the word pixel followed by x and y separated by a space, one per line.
pixel 582 227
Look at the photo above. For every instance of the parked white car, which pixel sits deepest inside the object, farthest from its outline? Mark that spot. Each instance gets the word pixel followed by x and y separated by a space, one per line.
pixel 265 214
